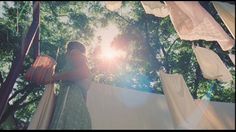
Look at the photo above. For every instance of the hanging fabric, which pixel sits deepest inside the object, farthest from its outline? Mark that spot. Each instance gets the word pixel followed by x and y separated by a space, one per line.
pixel 113 107
pixel 43 114
pixel 186 113
pixel 156 8
pixel 179 99
pixel 232 58
pixel 227 13
pixel 211 65
pixel 113 5
pixel 218 113
pixel 192 22
pixel 43 68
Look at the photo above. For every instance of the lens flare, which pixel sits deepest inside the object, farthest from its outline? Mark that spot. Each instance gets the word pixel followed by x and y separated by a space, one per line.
pixel 108 53
pixel 111 53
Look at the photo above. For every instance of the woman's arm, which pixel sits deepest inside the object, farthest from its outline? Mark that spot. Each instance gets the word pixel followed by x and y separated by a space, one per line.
pixel 71 75
pixel 74 75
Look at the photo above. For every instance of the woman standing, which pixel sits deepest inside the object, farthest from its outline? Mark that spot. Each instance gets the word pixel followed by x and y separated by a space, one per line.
pixel 70 109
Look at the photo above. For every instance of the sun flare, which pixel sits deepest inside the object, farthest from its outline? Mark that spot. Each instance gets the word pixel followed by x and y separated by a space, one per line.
pixel 107 35
pixel 111 53
pixel 108 53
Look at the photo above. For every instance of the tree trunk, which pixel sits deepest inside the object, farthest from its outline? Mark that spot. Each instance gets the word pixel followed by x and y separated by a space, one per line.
pixel 1 79
pixel 155 63
pixel 196 81
pixel 17 65
pixel 166 62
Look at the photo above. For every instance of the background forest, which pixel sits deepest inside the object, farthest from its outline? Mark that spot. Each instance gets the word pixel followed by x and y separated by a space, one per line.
pixel 147 43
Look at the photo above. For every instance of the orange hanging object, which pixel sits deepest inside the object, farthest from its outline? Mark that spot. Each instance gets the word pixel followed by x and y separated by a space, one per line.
pixel 41 70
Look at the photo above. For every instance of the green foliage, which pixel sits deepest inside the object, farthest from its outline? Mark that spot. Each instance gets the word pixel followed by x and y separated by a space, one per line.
pixel 150 43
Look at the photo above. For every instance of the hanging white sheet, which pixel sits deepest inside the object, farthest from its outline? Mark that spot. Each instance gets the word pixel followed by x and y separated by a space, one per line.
pixel 121 108
pixel 113 5
pixel 227 13
pixel 211 65
pixel 156 8
pixel 43 114
pixel 187 113
pixel 192 22
pixel 232 58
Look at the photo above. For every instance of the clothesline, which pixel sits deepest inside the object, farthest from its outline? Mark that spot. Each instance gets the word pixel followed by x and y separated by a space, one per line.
pixel 190 25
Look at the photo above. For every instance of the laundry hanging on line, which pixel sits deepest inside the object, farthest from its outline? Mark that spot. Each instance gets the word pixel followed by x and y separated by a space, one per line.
pixel 156 8
pixel 211 65
pixel 179 100
pixel 188 24
pixel 186 113
pixel 108 105
pixel 45 109
pixel 113 5
pixel 42 69
pixel 226 12
pixel 192 22
pixel 232 58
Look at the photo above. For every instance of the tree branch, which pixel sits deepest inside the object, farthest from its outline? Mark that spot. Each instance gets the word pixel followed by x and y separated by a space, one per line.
pixel 18 102
pixel 155 62
pixel 166 56
pixel 117 14
pixel 172 45
pixel 27 87
pixel 27 103
pixel 10 109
